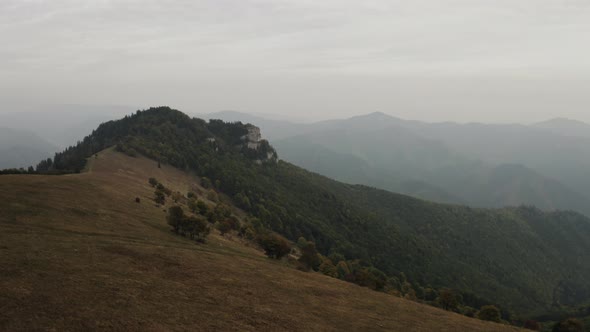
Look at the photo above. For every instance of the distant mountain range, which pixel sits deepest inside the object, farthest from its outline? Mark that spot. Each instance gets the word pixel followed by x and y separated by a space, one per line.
pixel 484 165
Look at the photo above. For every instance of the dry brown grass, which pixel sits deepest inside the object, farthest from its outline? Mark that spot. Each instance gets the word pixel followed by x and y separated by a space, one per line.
pixel 77 253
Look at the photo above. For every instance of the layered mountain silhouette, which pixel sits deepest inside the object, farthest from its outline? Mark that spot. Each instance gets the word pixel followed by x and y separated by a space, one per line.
pixel 483 165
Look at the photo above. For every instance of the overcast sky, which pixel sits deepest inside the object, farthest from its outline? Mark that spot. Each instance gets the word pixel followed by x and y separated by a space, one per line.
pixel 458 60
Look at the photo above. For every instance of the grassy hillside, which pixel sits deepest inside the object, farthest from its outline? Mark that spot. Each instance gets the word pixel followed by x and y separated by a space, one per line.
pixel 524 260
pixel 78 253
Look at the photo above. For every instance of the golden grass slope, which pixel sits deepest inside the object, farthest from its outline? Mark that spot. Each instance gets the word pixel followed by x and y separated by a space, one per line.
pixel 78 254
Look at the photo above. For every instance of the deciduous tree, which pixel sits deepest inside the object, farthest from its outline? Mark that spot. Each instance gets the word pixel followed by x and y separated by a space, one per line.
pixel 175 217
pixel 490 313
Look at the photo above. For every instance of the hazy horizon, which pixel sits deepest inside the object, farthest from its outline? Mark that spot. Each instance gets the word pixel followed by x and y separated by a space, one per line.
pixel 114 112
pixel 452 60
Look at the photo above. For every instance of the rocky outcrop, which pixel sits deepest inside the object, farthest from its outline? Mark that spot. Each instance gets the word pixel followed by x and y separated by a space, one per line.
pixel 253 137
pixel 260 148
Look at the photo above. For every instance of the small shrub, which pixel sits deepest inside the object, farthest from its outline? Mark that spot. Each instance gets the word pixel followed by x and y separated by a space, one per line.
pixel 163 189
pixel 301 242
pixel 490 313
pixel 274 245
pixel 343 269
pixel 159 197
pixel 222 211
pixel 153 182
pixel 176 196
pixel 228 224
pixel 196 228
pixel 212 196
pixel 202 207
pixel 224 227
pixel 247 232
pixel 137 200
pixel 328 268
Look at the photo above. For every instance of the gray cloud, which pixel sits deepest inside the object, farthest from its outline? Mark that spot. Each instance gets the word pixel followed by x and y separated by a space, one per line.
pixel 460 60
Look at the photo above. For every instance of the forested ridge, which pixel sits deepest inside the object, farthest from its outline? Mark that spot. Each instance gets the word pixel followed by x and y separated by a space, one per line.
pixel 525 260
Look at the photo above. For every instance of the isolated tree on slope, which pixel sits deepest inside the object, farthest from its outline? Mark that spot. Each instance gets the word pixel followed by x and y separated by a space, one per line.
pixel 159 197
pixel 175 218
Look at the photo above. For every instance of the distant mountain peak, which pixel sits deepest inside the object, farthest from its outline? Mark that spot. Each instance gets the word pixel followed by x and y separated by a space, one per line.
pixel 565 127
pixel 561 121
pixel 377 117
pixel 227 113
pixel 377 114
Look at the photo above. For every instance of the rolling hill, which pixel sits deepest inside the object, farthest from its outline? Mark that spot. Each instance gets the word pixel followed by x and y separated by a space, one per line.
pixel 523 259
pixel 78 253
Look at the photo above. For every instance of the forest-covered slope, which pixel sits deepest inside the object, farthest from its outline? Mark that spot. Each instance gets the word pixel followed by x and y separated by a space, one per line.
pixel 522 259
